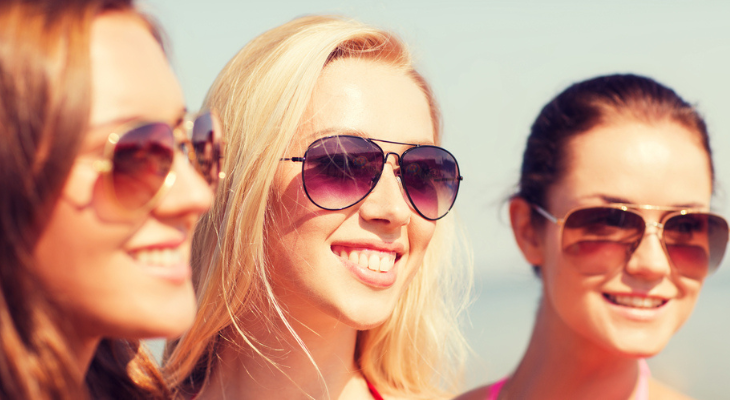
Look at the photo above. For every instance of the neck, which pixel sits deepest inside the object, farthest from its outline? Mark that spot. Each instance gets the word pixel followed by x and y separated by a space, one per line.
pixel 326 371
pixel 82 350
pixel 561 363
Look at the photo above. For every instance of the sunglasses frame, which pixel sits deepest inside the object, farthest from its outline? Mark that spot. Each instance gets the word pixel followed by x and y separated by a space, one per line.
pixel 182 138
pixel 398 157
pixel 674 211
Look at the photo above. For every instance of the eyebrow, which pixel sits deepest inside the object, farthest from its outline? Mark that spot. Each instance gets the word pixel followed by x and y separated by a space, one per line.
pixel 354 132
pixel 613 199
pixel 117 122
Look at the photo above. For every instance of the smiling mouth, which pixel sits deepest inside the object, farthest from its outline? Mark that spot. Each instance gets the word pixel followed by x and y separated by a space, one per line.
pixel 159 257
pixel 635 301
pixel 374 260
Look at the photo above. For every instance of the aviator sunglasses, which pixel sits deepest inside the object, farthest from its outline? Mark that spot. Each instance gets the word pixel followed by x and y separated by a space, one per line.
pixel 601 238
pixel 137 163
pixel 339 171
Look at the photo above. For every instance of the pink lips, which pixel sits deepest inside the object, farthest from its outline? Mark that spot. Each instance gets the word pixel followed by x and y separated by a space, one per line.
pixel 377 279
pixel 167 261
pixel 636 307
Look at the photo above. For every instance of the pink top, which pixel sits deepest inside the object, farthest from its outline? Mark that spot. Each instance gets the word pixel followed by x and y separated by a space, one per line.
pixel 373 392
pixel 642 387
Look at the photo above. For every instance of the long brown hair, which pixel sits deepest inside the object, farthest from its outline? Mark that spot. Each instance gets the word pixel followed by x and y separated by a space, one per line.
pixel 45 102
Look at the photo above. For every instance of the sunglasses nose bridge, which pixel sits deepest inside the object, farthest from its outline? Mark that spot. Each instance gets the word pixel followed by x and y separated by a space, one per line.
pixel 654 228
pixel 390 153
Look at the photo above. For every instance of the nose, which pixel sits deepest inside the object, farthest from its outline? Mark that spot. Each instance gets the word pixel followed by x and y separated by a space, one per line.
pixel 386 204
pixel 189 197
pixel 650 260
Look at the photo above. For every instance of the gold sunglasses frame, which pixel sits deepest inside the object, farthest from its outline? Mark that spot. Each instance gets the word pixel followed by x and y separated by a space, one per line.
pixel 659 225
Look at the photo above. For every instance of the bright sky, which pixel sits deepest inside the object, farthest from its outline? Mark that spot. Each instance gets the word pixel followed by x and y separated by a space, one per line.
pixel 493 65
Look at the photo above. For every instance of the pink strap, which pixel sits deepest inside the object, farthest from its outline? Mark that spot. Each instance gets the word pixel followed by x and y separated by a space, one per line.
pixel 495 389
pixel 642 387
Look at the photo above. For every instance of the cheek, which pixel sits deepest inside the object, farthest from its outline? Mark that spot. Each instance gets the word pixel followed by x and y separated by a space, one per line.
pixel 420 233
pixel 81 264
pixel 75 248
pixel 689 293
pixel 567 290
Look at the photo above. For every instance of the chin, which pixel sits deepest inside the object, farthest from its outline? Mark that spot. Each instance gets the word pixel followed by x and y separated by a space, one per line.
pixel 638 345
pixel 167 322
pixel 366 317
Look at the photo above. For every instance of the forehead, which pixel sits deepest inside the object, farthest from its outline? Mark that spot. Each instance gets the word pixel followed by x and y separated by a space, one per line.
pixel 371 99
pixel 661 164
pixel 131 78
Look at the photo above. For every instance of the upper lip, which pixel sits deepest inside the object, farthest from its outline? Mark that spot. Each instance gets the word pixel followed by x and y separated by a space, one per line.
pixel 170 243
pixel 637 294
pixel 393 247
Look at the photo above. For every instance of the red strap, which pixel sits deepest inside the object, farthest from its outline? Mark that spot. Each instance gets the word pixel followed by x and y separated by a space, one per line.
pixel 374 391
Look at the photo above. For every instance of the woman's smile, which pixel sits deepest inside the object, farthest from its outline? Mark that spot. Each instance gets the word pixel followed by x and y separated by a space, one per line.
pixel 373 266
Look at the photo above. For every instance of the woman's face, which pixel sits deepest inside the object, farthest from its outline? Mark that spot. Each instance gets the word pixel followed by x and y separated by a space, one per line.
pixel 323 260
pixel 112 274
pixel 662 164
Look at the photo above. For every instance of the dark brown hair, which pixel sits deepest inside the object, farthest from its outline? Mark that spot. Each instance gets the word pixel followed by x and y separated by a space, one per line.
pixel 45 102
pixel 585 105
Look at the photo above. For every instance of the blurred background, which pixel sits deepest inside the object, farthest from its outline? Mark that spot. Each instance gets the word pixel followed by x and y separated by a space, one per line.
pixel 493 65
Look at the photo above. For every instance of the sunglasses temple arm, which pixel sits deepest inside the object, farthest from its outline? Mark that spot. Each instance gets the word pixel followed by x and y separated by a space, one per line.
pixel 545 214
pixel 294 159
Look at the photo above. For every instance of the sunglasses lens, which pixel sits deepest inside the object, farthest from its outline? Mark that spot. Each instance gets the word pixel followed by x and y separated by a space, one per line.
pixel 206 144
pixel 430 177
pixel 142 160
pixel 601 237
pixel 696 242
pixel 339 171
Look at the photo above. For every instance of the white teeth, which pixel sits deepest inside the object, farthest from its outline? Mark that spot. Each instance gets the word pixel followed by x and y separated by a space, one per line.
pixel 161 257
pixel 636 301
pixel 364 261
pixel 373 260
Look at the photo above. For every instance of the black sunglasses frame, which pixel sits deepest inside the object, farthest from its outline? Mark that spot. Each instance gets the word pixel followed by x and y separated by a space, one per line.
pixel 376 179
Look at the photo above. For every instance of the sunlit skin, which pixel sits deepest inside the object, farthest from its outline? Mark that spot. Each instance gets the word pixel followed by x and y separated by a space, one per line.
pixel 87 256
pixel 594 342
pixel 326 302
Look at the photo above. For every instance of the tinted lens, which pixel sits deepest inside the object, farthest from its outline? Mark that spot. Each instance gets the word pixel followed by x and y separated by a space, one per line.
pixel 141 161
pixel 430 176
pixel 696 242
pixel 206 144
pixel 339 171
pixel 601 238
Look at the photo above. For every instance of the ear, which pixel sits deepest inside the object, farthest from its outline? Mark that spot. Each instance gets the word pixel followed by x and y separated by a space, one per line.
pixel 527 236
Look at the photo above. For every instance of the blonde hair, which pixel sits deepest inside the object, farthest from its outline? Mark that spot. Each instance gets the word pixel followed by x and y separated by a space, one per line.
pixel 262 95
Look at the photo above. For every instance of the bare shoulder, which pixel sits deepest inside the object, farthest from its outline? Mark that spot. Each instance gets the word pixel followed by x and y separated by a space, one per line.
pixel 659 391
pixel 479 393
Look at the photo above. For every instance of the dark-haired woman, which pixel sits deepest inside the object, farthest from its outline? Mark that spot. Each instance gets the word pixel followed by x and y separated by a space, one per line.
pixel 97 204
pixel 613 212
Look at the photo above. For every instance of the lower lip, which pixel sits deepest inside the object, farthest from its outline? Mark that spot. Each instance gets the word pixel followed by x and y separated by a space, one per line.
pixel 635 313
pixel 176 274
pixel 376 279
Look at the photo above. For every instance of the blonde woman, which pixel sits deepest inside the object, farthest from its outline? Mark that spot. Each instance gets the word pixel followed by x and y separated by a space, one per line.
pixel 323 270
